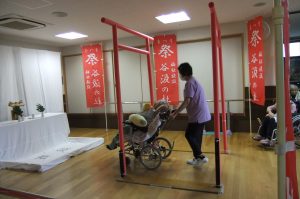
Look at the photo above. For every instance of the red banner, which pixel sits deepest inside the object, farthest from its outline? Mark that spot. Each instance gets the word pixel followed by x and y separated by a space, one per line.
pixel 165 49
pixel 256 60
pixel 93 75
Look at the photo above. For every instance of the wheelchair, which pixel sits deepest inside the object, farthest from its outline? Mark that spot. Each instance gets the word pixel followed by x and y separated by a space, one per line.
pixel 152 149
pixel 296 128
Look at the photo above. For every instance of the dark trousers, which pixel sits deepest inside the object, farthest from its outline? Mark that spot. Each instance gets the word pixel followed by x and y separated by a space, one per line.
pixel 267 127
pixel 193 134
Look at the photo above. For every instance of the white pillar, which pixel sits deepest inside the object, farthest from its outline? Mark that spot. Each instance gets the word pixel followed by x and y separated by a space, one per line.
pixel 278 14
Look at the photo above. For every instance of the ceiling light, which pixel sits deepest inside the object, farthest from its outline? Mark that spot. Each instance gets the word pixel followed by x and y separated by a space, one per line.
pixel 71 35
pixel 173 17
pixel 59 14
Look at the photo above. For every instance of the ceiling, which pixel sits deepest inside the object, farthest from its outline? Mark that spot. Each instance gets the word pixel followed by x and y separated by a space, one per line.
pixel 84 16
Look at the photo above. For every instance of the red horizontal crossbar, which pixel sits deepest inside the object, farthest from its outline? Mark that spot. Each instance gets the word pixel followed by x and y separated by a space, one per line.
pixel 136 50
pixel 113 23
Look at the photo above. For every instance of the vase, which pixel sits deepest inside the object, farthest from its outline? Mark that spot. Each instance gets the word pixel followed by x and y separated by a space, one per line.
pixel 14 116
pixel 42 114
pixel 20 118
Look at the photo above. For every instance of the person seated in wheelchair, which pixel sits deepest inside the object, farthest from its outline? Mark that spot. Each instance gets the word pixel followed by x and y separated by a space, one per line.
pixel 295 97
pixel 269 124
pixel 142 126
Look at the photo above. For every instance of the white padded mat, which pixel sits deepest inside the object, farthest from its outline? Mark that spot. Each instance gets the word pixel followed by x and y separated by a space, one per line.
pixel 48 159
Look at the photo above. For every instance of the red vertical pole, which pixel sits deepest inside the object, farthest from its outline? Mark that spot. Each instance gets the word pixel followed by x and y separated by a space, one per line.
pixel 149 71
pixel 216 95
pixel 224 128
pixel 116 25
pixel 119 102
pixel 290 156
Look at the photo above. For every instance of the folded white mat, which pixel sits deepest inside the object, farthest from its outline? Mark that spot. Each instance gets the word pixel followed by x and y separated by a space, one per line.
pixel 50 158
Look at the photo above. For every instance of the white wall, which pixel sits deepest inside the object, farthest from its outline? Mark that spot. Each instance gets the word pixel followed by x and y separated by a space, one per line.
pixel 200 57
pixel 26 43
pixel 135 65
pixel 134 77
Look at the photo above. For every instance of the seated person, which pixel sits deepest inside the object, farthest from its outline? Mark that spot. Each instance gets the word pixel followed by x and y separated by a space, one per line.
pixel 269 124
pixel 295 96
pixel 139 126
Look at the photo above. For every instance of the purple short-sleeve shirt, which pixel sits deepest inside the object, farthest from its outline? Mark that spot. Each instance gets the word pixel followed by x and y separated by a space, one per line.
pixel 197 110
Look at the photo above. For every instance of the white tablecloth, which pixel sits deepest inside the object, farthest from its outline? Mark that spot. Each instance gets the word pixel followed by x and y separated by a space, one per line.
pixel 31 136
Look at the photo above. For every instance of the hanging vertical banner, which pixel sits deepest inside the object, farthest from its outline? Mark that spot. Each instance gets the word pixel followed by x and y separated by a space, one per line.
pixel 256 60
pixel 165 49
pixel 93 75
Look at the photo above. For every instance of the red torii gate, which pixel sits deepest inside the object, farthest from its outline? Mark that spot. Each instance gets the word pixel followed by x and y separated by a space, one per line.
pixel 217 72
pixel 217 62
pixel 117 46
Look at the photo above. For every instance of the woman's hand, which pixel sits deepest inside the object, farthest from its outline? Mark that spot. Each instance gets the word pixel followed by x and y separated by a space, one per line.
pixel 270 115
pixel 173 114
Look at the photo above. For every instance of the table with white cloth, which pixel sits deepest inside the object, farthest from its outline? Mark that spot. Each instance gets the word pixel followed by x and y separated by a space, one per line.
pixel 33 135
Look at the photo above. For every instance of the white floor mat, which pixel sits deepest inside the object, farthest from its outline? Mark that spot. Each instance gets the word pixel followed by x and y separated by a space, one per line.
pixel 48 159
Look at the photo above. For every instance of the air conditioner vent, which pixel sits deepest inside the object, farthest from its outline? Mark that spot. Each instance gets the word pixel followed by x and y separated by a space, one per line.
pixel 18 23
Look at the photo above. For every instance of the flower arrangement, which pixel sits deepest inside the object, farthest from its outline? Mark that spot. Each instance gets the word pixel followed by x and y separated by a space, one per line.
pixel 40 108
pixel 16 109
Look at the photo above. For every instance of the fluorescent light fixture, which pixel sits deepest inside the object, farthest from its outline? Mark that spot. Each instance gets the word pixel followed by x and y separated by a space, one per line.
pixel 71 35
pixel 173 17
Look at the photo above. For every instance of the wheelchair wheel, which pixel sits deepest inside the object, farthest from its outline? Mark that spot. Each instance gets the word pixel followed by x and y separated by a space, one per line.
pixel 127 161
pixel 296 125
pixel 164 146
pixel 150 157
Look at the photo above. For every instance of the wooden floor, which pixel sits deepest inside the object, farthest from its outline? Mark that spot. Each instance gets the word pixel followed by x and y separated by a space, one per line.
pixel 248 172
